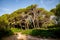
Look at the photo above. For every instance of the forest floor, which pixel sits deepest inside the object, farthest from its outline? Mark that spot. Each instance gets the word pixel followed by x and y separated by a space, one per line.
pixel 19 36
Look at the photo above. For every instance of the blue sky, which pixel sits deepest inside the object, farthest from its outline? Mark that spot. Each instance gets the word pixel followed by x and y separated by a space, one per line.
pixel 8 6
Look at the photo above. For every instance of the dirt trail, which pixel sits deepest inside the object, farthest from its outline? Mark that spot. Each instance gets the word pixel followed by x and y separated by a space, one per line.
pixel 20 36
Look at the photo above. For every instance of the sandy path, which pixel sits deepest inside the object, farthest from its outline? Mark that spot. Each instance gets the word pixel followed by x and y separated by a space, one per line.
pixel 19 36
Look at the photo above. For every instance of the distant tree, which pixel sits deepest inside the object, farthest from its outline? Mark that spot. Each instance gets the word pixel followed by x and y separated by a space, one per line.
pixel 4 20
pixel 56 11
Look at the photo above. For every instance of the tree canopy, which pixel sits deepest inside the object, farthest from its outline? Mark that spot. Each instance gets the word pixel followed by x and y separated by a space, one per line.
pixel 37 16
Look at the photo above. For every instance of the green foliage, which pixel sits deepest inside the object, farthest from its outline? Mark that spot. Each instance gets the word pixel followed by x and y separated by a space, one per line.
pixel 31 7
pixel 56 10
pixel 53 10
pixel 44 33
pixel 41 33
pixel 48 24
pixel 27 31
pixel 4 20
pixel 5 32
pixel 16 30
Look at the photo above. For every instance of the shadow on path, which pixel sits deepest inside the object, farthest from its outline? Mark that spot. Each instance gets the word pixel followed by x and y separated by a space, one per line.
pixel 20 36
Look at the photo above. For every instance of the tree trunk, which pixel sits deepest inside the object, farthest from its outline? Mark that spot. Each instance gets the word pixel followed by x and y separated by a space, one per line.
pixel 21 25
pixel 34 23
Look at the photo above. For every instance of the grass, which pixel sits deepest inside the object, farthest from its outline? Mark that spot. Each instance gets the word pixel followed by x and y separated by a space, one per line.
pixel 16 30
pixel 27 31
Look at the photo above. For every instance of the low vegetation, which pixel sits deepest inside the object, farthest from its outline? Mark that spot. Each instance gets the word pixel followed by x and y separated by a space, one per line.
pixel 43 33
pixel 5 32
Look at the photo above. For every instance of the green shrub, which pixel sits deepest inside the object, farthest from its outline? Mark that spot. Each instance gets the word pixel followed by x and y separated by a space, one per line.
pixel 43 33
pixel 53 33
pixel 5 32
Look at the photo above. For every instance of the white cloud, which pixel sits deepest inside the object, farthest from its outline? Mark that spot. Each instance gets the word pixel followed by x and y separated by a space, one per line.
pixel 4 9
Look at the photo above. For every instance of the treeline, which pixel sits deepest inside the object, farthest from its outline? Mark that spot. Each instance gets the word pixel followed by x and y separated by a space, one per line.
pixel 31 17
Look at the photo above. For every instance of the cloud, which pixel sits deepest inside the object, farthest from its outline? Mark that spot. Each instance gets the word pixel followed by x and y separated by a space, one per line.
pixel 7 9
pixel 4 9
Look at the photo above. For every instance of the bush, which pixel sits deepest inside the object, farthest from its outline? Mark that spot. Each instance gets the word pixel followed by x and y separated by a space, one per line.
pixel 57 33
pixel 5 32
pixel 43 33
pixel 52 33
